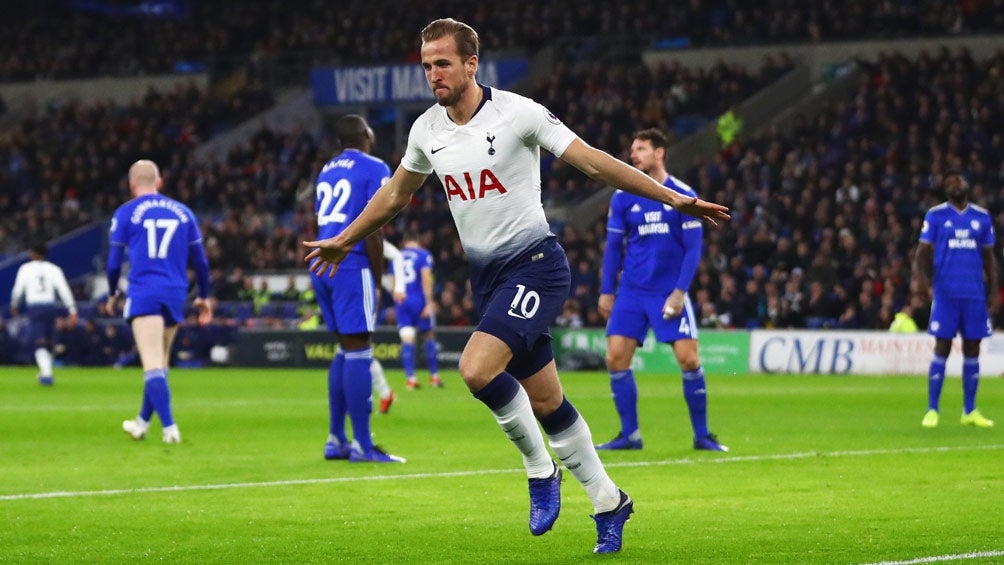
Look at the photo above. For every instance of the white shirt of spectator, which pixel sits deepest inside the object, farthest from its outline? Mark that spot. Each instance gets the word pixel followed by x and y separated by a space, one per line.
pixel 490 169
pixel 39 282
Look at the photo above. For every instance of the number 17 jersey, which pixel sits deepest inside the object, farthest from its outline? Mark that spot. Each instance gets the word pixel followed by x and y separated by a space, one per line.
pixel 344 187
pixel 157 232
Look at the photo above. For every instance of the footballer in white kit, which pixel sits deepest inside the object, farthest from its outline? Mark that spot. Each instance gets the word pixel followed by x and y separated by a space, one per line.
pixel 484 144
pixel 490 170
pixel 40 283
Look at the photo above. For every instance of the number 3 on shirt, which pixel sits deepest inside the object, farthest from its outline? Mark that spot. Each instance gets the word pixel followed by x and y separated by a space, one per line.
pixel 327 194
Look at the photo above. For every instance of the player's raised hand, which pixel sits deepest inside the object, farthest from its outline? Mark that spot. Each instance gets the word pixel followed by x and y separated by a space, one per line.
pixel 708 211
pixel 326 254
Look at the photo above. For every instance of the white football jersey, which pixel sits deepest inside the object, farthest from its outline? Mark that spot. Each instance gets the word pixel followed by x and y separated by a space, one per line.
pixel 490 170
pixel 39 282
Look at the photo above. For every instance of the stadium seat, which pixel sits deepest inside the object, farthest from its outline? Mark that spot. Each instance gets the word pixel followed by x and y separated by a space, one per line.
pixel 288 311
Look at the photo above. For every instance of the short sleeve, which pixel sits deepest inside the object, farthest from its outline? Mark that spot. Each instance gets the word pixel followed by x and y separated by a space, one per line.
pixel 428 261
pixel 194 233
pixel 382 176
pixel 988 239
pixel 537 125
pixel 928 230
pixel 117 232
pixel 415 159
pixel 615 218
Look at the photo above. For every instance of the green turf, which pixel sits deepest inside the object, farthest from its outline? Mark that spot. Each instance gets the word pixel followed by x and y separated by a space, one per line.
pixel 822 470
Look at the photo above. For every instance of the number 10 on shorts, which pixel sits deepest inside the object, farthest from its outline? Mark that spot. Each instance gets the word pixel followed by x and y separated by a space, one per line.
pixel 525 304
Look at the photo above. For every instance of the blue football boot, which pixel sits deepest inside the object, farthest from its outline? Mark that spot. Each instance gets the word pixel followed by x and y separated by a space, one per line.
pixel 621 442
pixel 375 455
pixel 709 443
pixel 610 526
pixel 545 502
pixel 334 450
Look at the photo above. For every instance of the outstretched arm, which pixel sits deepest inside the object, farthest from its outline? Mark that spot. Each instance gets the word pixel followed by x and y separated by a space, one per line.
pixel 384 205
pixel 602 166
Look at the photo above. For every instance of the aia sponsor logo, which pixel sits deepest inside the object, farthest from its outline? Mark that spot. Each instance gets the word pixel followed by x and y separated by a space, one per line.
pixel 465 188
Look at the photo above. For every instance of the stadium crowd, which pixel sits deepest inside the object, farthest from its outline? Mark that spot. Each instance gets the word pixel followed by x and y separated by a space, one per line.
pixel 67 39
pixel 59 167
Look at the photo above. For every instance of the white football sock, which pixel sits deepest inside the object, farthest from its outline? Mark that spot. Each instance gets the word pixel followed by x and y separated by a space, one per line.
pixel 44 360
pixel 574 446
pixel 379 379
pixel 517 421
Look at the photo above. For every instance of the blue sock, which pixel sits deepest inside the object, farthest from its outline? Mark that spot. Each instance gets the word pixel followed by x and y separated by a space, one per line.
pixel 970 382
pixel 696 395
pixel 155 388
pixel 336 398
pixel 358 386
pixel 146 409
pixel 625 391
pixel 408 359
pixel 935 378
pixel 432 355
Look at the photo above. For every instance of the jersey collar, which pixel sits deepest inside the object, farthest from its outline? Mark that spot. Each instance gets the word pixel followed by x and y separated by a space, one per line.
pixel 486 95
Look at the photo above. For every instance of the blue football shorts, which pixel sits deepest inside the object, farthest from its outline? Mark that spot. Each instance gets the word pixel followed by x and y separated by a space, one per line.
pixel 171 308
pixel 949 316
pixel 347 300
pixel 523 304
pixel 635 312
pixel 409 314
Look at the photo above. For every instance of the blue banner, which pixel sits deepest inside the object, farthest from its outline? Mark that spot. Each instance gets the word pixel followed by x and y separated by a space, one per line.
pixel 398 83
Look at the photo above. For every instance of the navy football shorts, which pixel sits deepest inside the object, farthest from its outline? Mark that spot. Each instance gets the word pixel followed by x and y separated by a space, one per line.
pixel 523 304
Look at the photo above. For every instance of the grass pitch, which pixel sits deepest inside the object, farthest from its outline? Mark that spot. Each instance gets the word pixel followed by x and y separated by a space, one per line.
pixel 822 470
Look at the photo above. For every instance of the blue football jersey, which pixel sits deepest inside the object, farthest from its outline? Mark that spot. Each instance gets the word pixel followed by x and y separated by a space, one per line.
pixel 157 233
pixel 344 187
pixel 958 239
pixel 658 238
pixel 414 260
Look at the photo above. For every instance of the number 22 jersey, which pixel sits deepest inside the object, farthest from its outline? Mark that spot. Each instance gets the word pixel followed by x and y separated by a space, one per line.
pixel 344 187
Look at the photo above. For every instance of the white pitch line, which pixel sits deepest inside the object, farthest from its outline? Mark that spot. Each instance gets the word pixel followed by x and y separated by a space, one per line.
pixel 936 558
pixel 684 461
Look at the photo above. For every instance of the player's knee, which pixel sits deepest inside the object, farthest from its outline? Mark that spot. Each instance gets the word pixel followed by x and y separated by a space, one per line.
pixel 407 334
pixel 689 361
pixel 971 348
pixel 473 372
pixel 618 359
